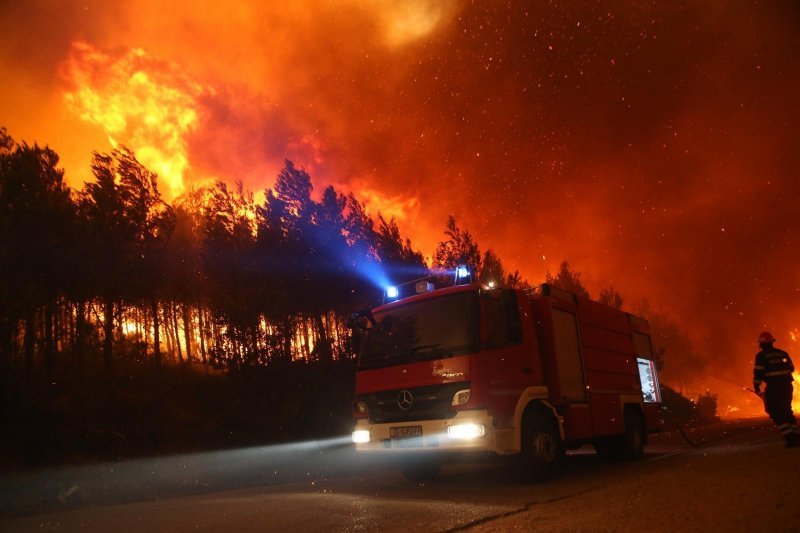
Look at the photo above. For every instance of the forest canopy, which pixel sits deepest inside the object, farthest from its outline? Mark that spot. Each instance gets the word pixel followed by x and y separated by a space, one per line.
pixel 215 277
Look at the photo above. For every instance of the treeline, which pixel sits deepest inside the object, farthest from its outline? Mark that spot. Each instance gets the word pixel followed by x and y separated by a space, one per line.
pixel 113 271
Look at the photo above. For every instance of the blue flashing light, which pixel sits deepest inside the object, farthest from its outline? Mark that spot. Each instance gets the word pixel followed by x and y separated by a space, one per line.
pixel 392 292
pixel 462 272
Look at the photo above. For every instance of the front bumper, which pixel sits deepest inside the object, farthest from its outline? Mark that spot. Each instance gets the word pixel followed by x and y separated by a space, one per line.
pixel 434 436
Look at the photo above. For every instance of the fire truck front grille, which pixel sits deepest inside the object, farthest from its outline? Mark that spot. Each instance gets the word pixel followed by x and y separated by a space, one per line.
pixel 426 403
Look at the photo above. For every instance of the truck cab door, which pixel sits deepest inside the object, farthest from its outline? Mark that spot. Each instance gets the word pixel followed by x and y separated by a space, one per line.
pixel 510 359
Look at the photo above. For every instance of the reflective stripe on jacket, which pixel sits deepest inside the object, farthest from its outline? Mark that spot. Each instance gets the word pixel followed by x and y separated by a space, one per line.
pixel 772 365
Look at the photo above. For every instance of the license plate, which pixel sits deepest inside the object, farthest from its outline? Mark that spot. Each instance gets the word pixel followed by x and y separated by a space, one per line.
pixel 405 432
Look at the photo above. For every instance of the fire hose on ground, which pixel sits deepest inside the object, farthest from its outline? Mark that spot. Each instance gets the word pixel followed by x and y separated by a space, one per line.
pixel 683 432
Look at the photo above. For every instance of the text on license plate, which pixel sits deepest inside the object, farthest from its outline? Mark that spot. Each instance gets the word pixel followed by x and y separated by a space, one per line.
pixel 405 432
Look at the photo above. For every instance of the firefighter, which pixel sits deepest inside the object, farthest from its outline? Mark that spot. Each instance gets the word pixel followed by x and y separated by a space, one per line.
pixel 774 368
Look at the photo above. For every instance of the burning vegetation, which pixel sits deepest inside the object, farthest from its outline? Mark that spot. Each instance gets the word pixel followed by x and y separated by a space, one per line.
pixel 146 103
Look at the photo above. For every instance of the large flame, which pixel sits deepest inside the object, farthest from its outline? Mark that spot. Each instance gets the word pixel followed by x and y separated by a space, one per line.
pixel 140 101
pixel 796 401
pixel 794 335
pixel 402 207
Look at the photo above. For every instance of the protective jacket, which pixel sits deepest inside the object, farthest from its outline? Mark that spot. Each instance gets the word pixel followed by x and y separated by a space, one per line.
pixel 772 366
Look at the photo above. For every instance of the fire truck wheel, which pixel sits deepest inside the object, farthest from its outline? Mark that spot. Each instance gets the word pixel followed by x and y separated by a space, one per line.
pixel 542 451
pixel 421 469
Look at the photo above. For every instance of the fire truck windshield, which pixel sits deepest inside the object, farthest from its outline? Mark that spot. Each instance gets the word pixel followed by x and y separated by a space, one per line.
pixel 429 329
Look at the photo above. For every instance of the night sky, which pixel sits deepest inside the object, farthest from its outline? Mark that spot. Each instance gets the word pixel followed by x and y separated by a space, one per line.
pixel 653 145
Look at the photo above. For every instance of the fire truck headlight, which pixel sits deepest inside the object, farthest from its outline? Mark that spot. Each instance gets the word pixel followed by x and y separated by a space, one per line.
pixel 466 431
pixel 392 292
pixel 461 397
pixel 361 436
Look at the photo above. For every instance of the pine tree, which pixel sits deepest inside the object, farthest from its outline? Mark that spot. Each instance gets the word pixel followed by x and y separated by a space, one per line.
pixel 568 280
pixel 37 217
pixel 609 296
pixel 458 249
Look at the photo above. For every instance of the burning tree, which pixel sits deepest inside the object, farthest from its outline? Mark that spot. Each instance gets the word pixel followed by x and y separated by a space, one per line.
pixel 126 223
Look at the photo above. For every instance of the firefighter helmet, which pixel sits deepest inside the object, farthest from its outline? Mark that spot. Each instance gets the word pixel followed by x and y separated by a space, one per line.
pixel 766 338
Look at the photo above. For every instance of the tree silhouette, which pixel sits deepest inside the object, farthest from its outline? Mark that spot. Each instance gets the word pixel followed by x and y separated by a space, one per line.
pixel 228 236
pixel 461 249
pixel 458 249
pixel 492 270
pixel 126 219
pixel 363 253
pixel 568 280
pixel 36 220
pixel 293 188
pixel 516 281
pixel 609 296
pixel 397 254
pixel 182 271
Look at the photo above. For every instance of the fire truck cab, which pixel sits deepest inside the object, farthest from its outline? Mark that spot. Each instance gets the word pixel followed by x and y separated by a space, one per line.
pixel 473 369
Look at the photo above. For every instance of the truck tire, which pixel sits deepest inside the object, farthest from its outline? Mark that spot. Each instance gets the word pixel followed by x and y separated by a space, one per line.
pixel 542 450
pixel 418 470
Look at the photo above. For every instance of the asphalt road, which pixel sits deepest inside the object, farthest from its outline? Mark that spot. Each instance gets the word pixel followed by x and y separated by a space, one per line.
pixel 324 486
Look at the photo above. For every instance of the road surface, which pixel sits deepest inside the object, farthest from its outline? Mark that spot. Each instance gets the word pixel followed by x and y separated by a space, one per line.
pixel 733 477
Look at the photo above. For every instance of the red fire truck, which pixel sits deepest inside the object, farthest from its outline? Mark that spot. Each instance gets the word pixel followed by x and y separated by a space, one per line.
pixel 477 369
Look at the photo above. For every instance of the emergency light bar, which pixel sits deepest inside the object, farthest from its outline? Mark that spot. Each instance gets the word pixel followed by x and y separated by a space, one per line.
pixel 461 276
